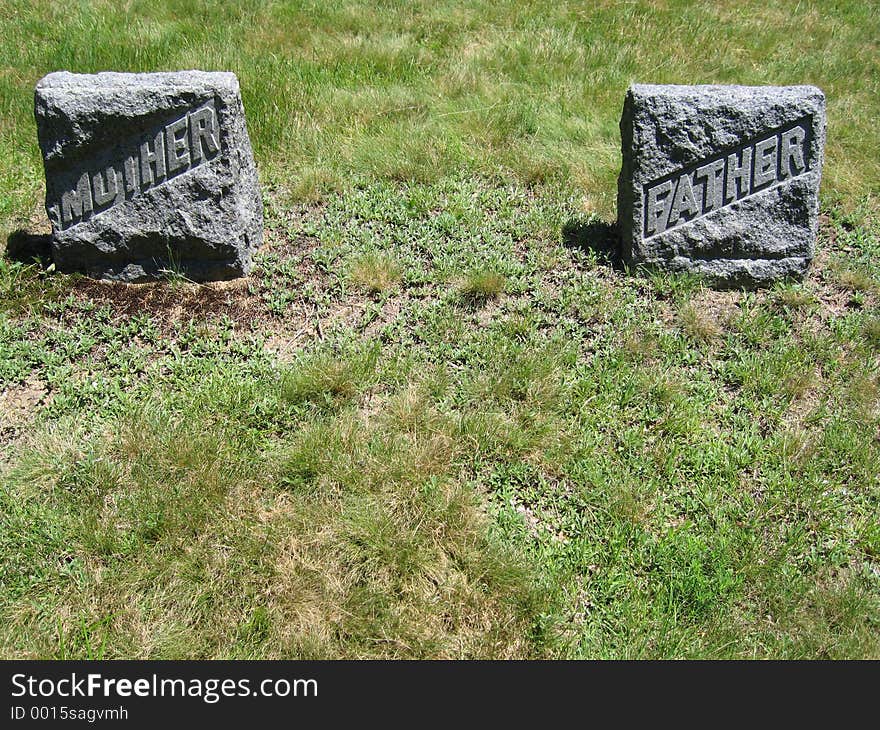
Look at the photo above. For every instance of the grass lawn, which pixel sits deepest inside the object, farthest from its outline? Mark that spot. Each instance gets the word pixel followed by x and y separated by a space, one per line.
pixel 435 422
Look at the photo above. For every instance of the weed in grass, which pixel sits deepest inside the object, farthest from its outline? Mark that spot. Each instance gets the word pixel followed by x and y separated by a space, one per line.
pixel 854 281
pixel 311 185
pixel 797 447
pixel 864 394
pixel 481 285
pixel 375 273
pixel 794 297
pixel 694 576
pixel 797 384
pixel 26 286
pixel 255 630
pixel 811 627
pixel 85 640
pixel 411 411
pixel 641 347
pixel 698 325
pixel 869 539
pixel 522 373
pixel 871 332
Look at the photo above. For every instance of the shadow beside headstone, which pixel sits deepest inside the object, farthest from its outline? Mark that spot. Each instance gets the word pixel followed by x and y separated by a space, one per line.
pixel 594 235
pixel 27 247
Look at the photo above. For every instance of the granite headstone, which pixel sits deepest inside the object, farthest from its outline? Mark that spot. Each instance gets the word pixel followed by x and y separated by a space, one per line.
pixel 721 180
pixel 148 174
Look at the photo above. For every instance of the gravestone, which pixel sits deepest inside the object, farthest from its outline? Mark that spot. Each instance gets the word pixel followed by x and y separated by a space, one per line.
pixel 148 173
pixel 721 180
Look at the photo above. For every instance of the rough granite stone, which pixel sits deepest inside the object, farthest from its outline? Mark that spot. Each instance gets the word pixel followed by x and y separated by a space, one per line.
pixel 721 180
pixel 148 173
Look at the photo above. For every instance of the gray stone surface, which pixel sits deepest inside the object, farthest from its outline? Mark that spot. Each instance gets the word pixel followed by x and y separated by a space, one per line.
pixel 721 180
pixel 148 173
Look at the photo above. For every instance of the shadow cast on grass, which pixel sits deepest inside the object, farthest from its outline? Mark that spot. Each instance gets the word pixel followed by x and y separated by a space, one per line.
pixel 598 236
pixel 168 302
pixel 26 247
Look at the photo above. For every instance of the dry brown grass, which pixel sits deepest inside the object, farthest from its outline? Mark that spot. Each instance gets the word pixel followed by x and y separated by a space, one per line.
pixel 698 324
pixel 357 538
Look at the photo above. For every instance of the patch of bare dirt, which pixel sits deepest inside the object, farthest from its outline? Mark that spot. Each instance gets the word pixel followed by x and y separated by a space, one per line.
pixel 833 300
pixel 715 308
pixel 284 347
pixel 822 273
pixel 172 302
pixel 720 306
pixel 19 404
pixel 243 301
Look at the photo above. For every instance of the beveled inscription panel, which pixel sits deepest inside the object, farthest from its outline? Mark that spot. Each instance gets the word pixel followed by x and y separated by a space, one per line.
pixel 150 161
pixel 728 177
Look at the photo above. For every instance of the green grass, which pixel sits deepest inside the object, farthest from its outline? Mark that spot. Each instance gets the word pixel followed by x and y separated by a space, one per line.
pixel 338 93
pixel 432 423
